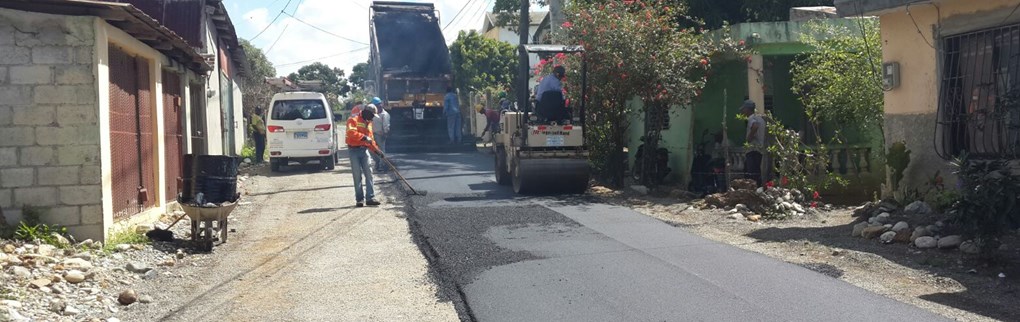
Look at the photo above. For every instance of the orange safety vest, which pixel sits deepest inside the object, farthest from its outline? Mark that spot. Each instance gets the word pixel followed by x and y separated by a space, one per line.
pixel 357 129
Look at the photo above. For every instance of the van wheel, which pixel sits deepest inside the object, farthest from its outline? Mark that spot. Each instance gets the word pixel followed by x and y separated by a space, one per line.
pixel 274 166
pixel 328 163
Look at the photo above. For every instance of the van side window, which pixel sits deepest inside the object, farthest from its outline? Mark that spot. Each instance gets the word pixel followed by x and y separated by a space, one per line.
pixel 289 110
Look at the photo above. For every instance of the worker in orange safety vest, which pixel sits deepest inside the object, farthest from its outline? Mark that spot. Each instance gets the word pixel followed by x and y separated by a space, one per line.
pixel 360 143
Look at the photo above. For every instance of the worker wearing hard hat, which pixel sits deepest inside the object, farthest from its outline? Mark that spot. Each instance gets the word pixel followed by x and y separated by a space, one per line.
pixel 360 143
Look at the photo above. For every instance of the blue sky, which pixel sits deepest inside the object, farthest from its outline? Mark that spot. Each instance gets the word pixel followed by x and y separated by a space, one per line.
pixel 291 43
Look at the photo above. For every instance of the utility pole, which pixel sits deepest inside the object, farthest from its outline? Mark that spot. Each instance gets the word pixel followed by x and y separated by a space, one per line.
pixel 522 59
pixel 556 19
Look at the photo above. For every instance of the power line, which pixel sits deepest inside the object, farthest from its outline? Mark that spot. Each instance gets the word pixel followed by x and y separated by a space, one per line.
pixel 359 4
pixel 272 22
pixel 324 30
pixel 480 12
pixel 277 38
pixel 458 14
pixel 321 58
pixel 466 18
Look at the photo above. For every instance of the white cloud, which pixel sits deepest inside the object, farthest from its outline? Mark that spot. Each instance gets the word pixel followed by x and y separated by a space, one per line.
pixel 347 18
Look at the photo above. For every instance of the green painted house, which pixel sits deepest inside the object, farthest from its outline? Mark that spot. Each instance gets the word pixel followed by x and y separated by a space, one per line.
pixel 765 78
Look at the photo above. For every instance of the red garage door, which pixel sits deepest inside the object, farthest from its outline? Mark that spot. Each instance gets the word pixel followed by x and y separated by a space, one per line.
pixel 173 131
pixel 131 134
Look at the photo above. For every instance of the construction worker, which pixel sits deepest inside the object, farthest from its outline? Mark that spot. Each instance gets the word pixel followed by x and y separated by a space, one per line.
pixel 381 134
pixel 257 127
pixel 356 110
pixel 451 109
pixel 504 103
pixel 551 83
pixel 755 141
pixel 360 143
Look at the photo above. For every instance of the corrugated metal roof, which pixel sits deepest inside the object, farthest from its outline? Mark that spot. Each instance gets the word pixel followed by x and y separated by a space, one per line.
pixel 184 17
pixel 125 16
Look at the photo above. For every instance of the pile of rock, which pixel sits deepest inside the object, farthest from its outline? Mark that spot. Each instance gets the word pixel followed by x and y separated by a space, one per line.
pixel 881 224
pixel 81 282
pixel 753 202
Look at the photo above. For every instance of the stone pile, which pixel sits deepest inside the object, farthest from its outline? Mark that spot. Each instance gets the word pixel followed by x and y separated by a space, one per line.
pixel 751 201
pixel 81 282
pixel 880 223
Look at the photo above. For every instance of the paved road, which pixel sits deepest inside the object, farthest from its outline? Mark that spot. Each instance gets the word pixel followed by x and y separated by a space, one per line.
pixel 569 259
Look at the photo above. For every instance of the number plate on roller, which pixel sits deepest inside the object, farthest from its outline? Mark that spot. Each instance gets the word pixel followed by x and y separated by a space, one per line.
pixel 554 140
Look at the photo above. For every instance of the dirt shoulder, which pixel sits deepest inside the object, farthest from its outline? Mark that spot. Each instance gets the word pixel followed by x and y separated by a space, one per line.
pixel 947 282
pixel 302 252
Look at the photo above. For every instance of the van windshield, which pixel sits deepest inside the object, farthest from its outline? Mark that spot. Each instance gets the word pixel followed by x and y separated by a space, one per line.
pixel 289 110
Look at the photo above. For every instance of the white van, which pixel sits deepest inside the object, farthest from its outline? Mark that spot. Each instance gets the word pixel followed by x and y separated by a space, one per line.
pixel 300 128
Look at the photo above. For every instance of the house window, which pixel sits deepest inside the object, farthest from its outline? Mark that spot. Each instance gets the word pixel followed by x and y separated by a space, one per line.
pixel 979 103
pixel 657 116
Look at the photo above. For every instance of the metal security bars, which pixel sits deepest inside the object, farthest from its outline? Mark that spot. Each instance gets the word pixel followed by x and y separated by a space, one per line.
pixel 979 97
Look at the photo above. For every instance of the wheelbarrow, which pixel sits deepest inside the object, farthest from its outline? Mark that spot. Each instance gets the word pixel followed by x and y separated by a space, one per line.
pixel 205 220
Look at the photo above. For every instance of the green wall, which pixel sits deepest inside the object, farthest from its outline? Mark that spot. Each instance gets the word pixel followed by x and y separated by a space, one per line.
pixel 676 139
pixel 729 77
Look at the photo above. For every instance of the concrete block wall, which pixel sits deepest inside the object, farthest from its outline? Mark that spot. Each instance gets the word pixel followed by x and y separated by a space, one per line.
pixel 49 127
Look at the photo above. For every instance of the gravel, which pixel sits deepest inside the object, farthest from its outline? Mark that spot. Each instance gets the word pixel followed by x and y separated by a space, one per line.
pixel 44 283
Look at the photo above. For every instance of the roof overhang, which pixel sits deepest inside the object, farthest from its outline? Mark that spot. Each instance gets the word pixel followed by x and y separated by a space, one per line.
pixel 857 8
pixel 227 33
pixel 126 17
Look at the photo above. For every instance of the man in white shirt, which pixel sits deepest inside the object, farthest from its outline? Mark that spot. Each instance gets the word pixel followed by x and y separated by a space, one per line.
pixel 755 141
pixel 381 133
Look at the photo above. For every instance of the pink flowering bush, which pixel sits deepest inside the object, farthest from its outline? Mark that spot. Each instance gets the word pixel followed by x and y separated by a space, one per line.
pixel 634 49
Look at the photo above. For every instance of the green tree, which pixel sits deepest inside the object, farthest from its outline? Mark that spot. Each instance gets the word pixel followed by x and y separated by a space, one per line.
pixel 334 84
pixel 482 63
pixel 256 92
pixel 839 81
pixel 634 49
pixel 359 74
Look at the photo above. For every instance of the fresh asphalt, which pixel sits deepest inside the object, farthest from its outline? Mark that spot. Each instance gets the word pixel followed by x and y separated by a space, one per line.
pixel 569 258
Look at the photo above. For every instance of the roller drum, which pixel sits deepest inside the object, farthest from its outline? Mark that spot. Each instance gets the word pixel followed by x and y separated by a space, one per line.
pixel 551 176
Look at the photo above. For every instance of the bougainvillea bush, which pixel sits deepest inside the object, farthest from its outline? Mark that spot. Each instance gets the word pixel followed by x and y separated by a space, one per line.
pixel 634 49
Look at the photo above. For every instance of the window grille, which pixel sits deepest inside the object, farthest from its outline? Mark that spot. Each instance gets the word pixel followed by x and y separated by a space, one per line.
pixel 979 99
pixel 657 116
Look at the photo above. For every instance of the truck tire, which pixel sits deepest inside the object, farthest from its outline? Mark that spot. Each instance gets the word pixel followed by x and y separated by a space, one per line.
pixel 502 174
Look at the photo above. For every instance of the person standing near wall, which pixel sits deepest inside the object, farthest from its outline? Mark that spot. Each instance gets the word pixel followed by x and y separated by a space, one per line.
pixel 451 109
pixel 257 128
pixel 755 141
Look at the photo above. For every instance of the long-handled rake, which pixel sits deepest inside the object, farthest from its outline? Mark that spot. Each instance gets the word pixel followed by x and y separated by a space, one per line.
pixel 413 191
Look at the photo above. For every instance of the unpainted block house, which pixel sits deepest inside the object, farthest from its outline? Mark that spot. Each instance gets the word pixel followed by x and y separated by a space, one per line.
pixel 953 67
pixel 99 101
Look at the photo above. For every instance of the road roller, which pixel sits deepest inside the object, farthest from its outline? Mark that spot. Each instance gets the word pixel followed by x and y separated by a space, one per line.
pixel 540 149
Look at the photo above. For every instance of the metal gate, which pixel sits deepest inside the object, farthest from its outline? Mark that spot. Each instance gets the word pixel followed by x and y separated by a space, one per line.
pixel 198 132
pixel 131 134
pixel 173 132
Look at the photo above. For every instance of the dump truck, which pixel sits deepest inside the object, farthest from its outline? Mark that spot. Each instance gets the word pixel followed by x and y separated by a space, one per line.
pixel 410 69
